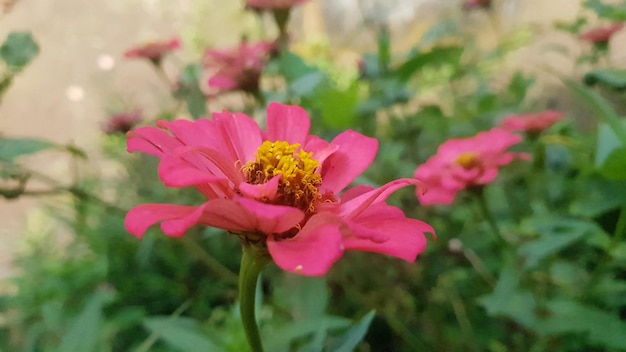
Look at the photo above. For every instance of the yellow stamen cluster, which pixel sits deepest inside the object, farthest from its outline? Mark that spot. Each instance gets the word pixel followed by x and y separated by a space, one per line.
pixel 299 183
pixel 468 160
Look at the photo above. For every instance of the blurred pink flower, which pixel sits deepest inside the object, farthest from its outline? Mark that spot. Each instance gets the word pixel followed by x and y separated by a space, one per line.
pixel 273 4
pixel 153 51
pixel 476 4
pixel 238 68
pixel 532 123
pixel 601 35
pixel 121 123
pixel 278 189
pixel 464 163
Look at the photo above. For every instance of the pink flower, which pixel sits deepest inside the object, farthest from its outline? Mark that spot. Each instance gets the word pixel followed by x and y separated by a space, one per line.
pixel 278 189
pixel 601 35
pixel 153 51
pixel 238 68
pixel 532 123
pixel 476 4
pixel 465 162
pixel 121 123
pixel 273 4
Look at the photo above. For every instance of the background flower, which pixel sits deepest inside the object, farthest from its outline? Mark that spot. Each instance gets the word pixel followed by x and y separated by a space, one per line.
pixel 532 123
pixel 273 4
pixel 238 68
pixel 462 163
pixel 601 35
pixel 153 51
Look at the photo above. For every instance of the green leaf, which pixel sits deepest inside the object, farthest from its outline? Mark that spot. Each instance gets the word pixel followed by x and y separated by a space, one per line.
pixel 282 338
pixel 182 334
pixel 338 105
pixel 384 49
pixel 292 67
pixel 450 55
pixel 11 148
pixel 554 235
pixel 614 167
pixel 84 332
pixel 615 12
pixel 600 107
pixel 599 195
pixel 508 300
pixel 352 337
pixel 613 78
pixel 566 316
pixel 607 142
pixel 189 91
pixel 18 49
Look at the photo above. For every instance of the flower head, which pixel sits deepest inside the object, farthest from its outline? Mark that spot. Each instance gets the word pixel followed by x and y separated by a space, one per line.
pixel 532 123
pixel 278 189
pixel 464 163
pixel 238 68
pixel 601 35
pixel 121 123
pixel 476 4
pixel 273 4
pixel 153 51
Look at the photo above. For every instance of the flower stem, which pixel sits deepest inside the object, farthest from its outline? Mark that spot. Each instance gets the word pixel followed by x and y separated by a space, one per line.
pixel 253 260
pixel 484 209
pixel 620 226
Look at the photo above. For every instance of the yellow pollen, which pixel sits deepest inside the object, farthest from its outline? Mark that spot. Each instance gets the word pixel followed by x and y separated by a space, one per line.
pixel 467 160
pixel 299 183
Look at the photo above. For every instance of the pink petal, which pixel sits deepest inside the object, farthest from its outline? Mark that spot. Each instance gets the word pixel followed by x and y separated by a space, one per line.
pixel 355 153
pixel 228 215
pixel 212 162
pixel 266 191
pixel 436 195
pixel 151 140
pixel 313 251
pixel 177 172
pixel 270 218
pixel 355 206
pixel 189 133
pixel 354 192
pixel 287 123
pixel 406 239
pixel 140 218
pixel 240 134
pixel 222 82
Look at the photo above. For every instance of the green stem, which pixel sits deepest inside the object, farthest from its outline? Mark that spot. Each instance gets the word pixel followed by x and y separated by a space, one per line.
pixel 484 209
pixel 620 227
pixel 209 261
pixel 253 260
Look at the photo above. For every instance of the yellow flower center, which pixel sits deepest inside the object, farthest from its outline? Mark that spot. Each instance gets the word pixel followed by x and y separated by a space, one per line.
pixel 298 186
pixel 468 160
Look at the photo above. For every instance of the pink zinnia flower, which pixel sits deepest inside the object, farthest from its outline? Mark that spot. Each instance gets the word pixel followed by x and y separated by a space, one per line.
pixel 601 35
pixel 532 123
pixel 464 163
pixel 273 4
pixel 279 189
pixel 153 51
pixel 121 123
pixel 476 4
pixel 238 68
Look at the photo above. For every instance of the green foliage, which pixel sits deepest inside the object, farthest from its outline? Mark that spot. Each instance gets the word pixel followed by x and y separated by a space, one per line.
pixel 612 78
pixel 12 148
pixel 18 50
